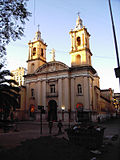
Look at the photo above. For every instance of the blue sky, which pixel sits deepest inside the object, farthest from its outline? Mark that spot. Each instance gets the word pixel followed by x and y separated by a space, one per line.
pixel 56 18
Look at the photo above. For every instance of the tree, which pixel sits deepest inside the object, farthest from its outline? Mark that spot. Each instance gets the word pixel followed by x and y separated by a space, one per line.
pixel 13 14
pixel 9 93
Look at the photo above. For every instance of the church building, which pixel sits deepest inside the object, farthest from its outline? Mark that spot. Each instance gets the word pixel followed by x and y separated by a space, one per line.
pixel 67 93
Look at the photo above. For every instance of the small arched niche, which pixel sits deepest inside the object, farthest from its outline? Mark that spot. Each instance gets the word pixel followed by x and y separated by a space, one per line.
pixel 78 59
pixel 78 41
pixel 34 51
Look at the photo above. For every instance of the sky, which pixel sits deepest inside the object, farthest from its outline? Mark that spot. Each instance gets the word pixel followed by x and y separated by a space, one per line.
pixel 56 18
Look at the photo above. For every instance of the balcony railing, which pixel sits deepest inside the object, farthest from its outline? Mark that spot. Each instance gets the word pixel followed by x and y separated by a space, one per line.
pixel 49 94
pixel 32 97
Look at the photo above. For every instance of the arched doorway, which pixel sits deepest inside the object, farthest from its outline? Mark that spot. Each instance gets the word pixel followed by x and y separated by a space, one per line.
pixel 52 110
pixel 79 109
pixel 82 116
pixel 78 59
pixel 32 110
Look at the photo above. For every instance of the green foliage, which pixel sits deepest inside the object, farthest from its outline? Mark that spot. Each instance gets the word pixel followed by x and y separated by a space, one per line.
pixel 9 93
pixel 13 14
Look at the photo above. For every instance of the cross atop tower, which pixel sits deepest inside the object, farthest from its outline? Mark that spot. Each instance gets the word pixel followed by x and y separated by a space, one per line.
pixel 78 13
pixel 37 34
pixel 79 24
pixel 38 26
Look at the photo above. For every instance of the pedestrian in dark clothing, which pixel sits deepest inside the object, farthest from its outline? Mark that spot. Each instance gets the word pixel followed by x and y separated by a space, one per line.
pixel 50 125
pixel 12 116
pixel 60 125
pixel 98 119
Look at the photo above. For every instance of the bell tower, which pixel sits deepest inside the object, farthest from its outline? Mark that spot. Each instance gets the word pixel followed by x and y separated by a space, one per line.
pixel 80 51
pixel 37 53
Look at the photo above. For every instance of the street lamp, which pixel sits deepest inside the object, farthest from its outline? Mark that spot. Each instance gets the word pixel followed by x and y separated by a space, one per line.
pixel 69 112
pixel 117 70
pixel 63 109
pixel 41 108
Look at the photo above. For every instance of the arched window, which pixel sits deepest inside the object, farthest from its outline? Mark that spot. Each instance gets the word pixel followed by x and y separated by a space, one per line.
pixel 41 51
pixel 32 92
pixel 78 41
pixel 32 67
pixel 78 59
pixel 34 51
pixel 52 88
pixel 79 88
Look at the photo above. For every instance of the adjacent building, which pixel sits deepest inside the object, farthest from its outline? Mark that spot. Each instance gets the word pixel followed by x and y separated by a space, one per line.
pixel 18 75
pixel 116 103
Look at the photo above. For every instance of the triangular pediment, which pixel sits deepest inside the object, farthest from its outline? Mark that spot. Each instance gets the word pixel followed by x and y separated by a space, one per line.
pixel 52 67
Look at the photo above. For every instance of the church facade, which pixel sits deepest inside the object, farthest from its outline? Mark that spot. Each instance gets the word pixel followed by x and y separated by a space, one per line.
pixel 67 93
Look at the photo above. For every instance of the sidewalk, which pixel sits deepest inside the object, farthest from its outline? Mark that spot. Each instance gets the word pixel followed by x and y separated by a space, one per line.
pixel 112 140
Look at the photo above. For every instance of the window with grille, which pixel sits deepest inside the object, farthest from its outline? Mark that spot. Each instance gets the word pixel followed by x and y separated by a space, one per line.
pixel 78 41
pixel 79 88
pixel 41 51
pixel 32 92
pixel 52 88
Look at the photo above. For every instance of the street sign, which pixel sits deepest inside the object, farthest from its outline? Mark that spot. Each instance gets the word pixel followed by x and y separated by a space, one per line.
pixel 40 107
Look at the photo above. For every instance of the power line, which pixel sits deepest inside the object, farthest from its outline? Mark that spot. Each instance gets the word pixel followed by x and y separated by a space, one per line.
pixel 103 57
pixel 34 12
pixel 61 51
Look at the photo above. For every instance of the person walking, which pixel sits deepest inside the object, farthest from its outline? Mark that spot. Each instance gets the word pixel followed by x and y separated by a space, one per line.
pixel 60 125
pixel 12 116
pixel 98 118
pixel 50 125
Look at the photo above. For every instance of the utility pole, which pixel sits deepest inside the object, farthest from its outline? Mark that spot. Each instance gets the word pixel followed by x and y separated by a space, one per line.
pixel 42 111
pixel 117 70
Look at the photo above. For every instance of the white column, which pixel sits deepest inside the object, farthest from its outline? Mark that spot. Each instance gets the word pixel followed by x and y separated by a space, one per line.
pixel 60 88
pixel 38 98
pixel 67 93
pixel 86 93
pixel 72 94
pixel 39 93
pixel 75 41
pixel 44 93
pixel 38 50
pixel 91 94
pixel 27 96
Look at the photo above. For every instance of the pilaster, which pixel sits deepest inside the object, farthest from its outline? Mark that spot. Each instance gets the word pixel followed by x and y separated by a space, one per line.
pixel 86 94
pixel 44 93
pixel 27 96
pixel 60 88
pixel 67 93
pixel 72 94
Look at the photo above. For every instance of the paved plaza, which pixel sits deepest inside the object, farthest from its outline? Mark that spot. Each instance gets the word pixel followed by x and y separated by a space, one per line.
pixel 31 130
pixel 27 130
